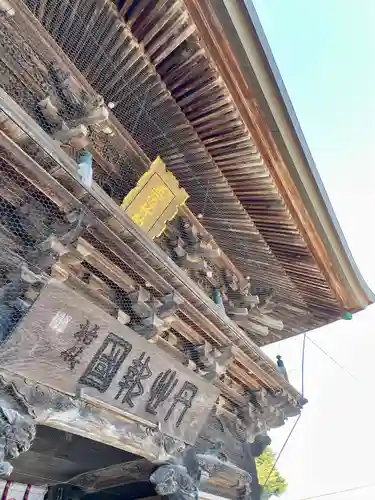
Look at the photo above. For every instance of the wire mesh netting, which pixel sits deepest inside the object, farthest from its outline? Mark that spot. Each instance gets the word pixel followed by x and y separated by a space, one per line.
pixel 82 113
pixel 110 59
pixel 80 120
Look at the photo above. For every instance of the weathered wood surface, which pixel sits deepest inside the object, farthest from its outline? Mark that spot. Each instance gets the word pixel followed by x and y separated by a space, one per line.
pixel 41 39
pixel 115 475
pixel 75 416
pixel 224 469
pixel 215 325
pixel 57 456
pixel 69 344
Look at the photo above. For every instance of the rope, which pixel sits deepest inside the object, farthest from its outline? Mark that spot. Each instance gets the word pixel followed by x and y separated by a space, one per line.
pixel 299 416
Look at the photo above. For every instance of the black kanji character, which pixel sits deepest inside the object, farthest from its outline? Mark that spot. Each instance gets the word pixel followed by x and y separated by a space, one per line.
pixel 84 337
pixel 72 355
pixel 161 389
pixel 131 383
pixel 87 334
pixel 106 363
pixel 184 397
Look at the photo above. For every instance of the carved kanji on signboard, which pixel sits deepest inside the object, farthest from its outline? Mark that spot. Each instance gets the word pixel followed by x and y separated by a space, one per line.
pixel 106 363
pixel 131 383
pixel 184 399
pixel 84 337
pixel 161 389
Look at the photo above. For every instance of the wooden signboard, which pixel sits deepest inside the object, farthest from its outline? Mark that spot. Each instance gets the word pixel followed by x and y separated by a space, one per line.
pixel 155 199
pixel 69 344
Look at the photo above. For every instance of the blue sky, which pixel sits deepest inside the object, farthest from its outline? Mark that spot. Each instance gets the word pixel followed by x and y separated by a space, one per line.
pixel 325 52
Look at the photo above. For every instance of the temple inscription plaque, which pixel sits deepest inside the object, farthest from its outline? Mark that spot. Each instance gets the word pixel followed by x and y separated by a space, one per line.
pixel 68 343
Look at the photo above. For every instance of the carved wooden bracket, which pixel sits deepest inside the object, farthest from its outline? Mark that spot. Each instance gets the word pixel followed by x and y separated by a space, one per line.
pixel 266 411
pixel 182 479
pixel 17 432
pixel 155 316
pixel 261 412
pixel 215 361
pixel 69 111
pixel 116 475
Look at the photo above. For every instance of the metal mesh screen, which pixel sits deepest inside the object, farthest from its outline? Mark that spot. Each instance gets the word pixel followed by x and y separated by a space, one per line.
pixel 108 56
pixel 53 225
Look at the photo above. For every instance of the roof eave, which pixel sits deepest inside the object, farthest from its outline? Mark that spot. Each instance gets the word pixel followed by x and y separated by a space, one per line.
pixel 252 52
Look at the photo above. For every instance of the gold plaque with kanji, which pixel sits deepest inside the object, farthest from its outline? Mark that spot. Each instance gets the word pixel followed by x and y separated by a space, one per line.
pixel 155 199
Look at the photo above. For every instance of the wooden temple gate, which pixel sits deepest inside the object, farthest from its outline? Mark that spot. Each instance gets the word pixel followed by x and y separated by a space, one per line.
pixel 131 321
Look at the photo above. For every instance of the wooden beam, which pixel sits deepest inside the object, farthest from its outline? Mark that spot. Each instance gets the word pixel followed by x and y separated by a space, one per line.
pixel 142 252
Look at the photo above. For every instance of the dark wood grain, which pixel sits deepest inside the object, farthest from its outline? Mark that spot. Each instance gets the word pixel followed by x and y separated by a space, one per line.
pixel 39 349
